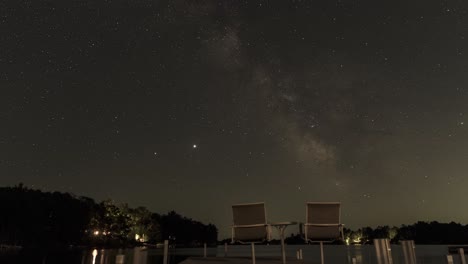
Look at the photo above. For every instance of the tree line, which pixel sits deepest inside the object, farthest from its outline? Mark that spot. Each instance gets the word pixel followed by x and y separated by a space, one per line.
pixel 429 233
pixel 425 233
pixel 33 218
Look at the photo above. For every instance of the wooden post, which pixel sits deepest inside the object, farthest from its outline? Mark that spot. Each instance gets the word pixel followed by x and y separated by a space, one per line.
pixel 102 256
pixel 389 251
pixel 413 251
pixel 140 256
pixel 82 258
pixel 283 250
pixel 300 253
pixel 449 259
pixel 321 253
pixel 354 260
pixel 383 251
pixel 166 251
pixel 120 259
pixel 297 255
pixel 253 252
pixel 408 251
pixel 204 250
pixel 378 251
pixel 225 249
pixel 461 251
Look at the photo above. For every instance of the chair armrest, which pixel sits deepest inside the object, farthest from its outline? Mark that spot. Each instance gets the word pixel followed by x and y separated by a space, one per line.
pixel 254 225
pixel 324 225
pixel 267 226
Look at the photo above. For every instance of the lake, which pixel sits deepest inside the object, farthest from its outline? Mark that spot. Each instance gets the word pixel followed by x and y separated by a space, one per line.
pixel 426 254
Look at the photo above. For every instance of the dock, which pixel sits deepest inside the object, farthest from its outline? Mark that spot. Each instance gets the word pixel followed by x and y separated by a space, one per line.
pixel 238 260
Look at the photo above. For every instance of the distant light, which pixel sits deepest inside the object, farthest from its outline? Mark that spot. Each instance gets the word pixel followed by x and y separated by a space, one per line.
pixel 96 232
pixel 195 146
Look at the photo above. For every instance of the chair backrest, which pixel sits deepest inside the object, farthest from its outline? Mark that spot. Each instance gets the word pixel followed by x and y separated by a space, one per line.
pixel 250 214
pixel 318 216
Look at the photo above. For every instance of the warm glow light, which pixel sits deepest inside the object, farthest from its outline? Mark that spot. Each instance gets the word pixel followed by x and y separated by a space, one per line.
pixel 96 233
pixel 137 237
pixel 94 255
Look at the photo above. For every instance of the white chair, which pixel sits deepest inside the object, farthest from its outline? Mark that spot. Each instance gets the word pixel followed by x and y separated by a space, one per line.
pixel 250 225
pixel 323 223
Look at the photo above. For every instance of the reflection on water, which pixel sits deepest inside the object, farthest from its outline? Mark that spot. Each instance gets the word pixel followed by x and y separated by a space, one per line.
pixel 94 256
pixel 311 254
pixel 138 255
pixel 364 254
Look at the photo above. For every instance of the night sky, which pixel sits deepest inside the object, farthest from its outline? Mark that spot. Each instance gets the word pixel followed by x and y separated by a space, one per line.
pixel 197 105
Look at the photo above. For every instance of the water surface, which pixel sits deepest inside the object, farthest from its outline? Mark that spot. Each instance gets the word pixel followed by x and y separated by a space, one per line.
pixel 426 254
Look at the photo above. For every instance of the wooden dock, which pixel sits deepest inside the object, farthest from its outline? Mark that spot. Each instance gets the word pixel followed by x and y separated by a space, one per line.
pixel 238 260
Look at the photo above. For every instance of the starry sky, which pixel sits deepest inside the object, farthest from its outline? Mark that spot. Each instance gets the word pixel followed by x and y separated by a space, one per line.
pixel 197 105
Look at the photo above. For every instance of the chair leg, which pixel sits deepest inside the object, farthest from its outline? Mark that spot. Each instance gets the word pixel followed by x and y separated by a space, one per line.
pixel 321 253
pixel 253 253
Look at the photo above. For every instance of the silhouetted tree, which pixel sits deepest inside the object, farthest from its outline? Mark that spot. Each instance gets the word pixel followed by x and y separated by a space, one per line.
pixel 35 218
pixel 31 217
pixel 187 231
